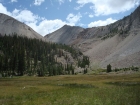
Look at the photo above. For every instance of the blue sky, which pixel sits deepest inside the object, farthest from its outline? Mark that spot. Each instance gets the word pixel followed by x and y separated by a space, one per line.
pixel 46 16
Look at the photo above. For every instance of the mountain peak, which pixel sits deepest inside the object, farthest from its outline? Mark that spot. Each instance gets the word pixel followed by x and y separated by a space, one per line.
pixel 66 25
pixel 9 25
pixel 64 34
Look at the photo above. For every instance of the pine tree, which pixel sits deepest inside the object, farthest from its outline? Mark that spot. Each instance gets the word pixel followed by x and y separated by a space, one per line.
pixel 72 71
pixel 109 68
pixel 31 56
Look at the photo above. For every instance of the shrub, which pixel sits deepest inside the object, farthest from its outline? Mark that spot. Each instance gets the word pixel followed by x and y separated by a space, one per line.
pixel 116 69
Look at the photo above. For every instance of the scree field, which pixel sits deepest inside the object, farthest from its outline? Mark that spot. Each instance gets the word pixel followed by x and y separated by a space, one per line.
pixel 71 90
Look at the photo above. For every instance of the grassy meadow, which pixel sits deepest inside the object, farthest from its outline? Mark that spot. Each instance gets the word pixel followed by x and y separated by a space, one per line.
pixel 71 90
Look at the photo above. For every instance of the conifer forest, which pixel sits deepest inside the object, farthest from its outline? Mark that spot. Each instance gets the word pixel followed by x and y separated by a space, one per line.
pixel 25 56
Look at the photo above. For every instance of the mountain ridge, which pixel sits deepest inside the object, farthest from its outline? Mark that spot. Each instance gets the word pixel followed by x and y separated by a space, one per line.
pixel 116 44
pixel 9 26
pixel 126 25
pixel 63 35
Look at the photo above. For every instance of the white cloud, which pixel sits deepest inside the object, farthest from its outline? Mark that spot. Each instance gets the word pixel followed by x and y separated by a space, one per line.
pixel 81 24
pixel 73 19
pixel 40 24
pixel 101 22
pixel 91 15
pixel 38 2
pixel 61 1
pixel 4 10
pixel 106 7
pixel 13 0
pixel 47 26
pixel 25 16
pixel 70 0
pixel 78 7
pixel 16 11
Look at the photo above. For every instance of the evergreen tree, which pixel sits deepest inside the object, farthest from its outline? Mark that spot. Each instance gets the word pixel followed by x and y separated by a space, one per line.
pixel 22 55
pixel 72 71
pixel 109 68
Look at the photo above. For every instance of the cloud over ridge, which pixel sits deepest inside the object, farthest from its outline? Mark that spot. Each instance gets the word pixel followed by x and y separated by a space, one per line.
pixel 107 7
pixel 101 22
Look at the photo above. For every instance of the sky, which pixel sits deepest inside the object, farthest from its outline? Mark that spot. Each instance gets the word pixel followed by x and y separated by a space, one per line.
pixel 46 16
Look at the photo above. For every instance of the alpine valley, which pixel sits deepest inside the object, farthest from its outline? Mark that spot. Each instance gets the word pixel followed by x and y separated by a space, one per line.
pixel 70 49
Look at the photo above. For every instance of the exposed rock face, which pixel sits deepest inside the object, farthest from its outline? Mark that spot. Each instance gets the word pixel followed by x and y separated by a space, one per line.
pixel 117 44
pixel 9 25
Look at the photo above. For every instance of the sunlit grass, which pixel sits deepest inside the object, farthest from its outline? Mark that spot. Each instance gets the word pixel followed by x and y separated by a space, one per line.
pixel 71 90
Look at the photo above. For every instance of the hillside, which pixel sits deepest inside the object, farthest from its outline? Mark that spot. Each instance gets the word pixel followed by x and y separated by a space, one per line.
pixel 65 34
pixel 26 56
pixel 117 44
pixel 9 26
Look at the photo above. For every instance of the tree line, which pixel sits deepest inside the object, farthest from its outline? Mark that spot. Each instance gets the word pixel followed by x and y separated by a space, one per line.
pixel 22 55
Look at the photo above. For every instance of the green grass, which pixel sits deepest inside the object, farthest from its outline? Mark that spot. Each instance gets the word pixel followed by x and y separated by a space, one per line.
pixel 71 90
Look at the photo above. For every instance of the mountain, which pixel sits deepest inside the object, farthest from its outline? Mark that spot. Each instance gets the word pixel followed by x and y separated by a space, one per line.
pixel 23 53
pixel 9 26
pixel 117 44
pixel 65 34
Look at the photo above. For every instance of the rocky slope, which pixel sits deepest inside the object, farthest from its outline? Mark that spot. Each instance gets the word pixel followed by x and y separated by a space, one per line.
pixel 65 34
pixel 117 44
pixel 9 25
